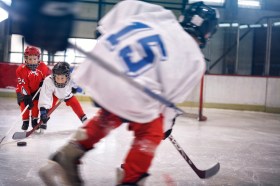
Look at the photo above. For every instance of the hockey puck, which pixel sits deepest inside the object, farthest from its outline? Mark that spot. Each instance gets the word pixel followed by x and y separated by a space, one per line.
pixel 21 143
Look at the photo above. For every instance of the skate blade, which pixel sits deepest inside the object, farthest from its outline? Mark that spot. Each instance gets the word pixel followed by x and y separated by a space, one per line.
pixel 50 172
pixel 41 131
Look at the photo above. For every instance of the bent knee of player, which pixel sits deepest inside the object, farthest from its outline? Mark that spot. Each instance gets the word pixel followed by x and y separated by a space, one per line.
pixel 72 101
pixel 149 145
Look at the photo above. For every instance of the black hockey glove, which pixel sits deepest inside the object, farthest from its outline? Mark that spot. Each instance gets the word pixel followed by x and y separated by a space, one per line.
pixel 28 101
pixel 74 90
pixel 44 115
pixel 20 98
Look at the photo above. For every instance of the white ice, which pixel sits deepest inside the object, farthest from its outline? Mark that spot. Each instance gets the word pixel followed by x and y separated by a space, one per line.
pixel 247 145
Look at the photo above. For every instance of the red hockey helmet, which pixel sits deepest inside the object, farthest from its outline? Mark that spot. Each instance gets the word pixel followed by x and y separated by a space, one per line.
pixel 31 51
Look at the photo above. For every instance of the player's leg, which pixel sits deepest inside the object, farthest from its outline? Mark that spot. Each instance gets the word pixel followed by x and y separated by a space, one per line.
pixel 76 107
pixel 35 113
pixel 25 116
pixel 66 160
pixel 147 138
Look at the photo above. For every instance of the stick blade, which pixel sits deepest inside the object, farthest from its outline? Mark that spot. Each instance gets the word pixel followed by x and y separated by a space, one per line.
pixel 209 172
pixel 19 135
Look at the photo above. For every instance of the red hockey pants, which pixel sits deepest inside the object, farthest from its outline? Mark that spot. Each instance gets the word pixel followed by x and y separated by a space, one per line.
pixel 147 138
pixel 74 104
pixel 34 110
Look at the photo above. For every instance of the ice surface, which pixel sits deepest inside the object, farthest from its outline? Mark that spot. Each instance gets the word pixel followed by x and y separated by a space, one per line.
pixel 247 145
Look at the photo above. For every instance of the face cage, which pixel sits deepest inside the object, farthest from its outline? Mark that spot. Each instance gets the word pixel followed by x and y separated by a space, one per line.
pixel 61 85
pixel 32 66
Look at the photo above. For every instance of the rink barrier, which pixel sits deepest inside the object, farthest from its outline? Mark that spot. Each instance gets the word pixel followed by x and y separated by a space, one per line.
pixel 188 104
pixel 235 92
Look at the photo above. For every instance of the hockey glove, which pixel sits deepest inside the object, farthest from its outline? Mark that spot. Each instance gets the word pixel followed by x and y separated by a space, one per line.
pixel 74 90
pixel 44 115
pixel 28 101
pixel 20 98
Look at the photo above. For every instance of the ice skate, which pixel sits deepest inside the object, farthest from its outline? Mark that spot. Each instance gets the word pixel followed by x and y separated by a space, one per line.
pixel 83 118
pixel 64 165
pixel 25 125
pixel 34 124
pixel 41 131
pixel 43 126
pixel 120 176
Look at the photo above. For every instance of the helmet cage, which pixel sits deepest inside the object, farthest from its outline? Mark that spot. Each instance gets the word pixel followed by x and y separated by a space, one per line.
pixel 200 21
pixel 32 66
pixel 61 68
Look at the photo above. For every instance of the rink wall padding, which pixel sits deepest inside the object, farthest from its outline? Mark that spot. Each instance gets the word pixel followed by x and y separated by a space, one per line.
pixel 220 91
pixel 8 75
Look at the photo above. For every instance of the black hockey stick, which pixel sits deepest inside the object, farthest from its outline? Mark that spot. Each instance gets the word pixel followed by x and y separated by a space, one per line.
pixel 22 135
pixel 203 174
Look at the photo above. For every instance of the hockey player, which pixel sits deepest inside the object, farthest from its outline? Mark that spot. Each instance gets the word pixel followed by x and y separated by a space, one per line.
pixel 30 76
pixel 147 43
pixel 59 86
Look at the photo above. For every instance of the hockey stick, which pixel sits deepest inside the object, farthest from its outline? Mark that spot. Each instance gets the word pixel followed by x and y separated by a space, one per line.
pixel 22 135
pixel 203 174
pixel 149 92
pixel 20 116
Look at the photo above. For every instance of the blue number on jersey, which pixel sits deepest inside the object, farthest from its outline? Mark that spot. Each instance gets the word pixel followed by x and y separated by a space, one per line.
pixel 148 57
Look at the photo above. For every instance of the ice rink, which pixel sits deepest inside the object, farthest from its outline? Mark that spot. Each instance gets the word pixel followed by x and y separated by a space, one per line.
pixel 247 145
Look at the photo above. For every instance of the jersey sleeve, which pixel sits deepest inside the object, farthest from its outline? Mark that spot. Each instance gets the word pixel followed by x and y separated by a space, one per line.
pixel 22 81
pixel 46 94
pixel 46 70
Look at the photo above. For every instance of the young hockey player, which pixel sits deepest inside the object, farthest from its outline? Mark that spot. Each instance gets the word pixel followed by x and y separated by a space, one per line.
pixel 30 76
pixel 145 42
pixel 59 86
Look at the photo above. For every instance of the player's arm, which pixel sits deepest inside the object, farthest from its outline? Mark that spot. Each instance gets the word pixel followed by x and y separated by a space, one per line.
pixel 46 95
pixel 23 87
pixel 46 98
pixel 22 81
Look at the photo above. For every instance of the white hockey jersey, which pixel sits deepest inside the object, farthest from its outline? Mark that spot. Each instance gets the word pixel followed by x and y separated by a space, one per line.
pixel 145 42
pixel 49 89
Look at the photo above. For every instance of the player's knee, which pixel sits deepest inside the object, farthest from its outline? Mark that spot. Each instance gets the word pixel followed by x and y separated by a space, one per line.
pixel 148 146
pixel 70 101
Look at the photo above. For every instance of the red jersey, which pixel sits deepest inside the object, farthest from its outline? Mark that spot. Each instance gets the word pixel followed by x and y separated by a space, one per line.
pixel 28 81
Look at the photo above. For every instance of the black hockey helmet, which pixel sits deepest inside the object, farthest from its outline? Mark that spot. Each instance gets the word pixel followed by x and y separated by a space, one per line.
pixel 199 20
pixel 61 68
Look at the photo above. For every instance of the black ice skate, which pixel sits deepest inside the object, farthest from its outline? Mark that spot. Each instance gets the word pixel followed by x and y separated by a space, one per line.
pixel 35 122
pixel 83 118
pixel 43 126
pixel 25 125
